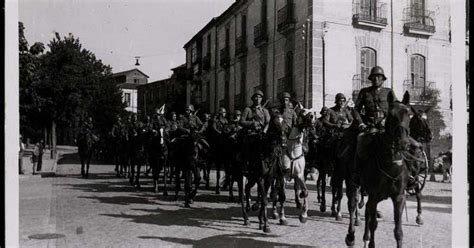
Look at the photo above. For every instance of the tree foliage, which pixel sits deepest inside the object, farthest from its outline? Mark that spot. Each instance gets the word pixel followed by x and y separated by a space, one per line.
pixel 67 84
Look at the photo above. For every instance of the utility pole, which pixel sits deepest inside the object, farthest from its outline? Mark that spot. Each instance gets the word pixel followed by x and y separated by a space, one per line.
pixel 391 44
pixel 304 36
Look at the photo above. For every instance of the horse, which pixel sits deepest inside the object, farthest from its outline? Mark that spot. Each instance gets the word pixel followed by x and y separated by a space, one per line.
pixel 157 152
pixel 86 141
pixel 187 150
pixel 416 157
pixel 383 172
pixel 137 155
pixel 292 166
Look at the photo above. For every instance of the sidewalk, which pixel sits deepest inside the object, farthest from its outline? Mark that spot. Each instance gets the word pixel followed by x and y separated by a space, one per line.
pixel 47 169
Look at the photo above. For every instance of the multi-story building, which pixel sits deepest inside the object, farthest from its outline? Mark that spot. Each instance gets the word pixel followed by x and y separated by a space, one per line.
pixel 317 48
pixel 171 91
pixel 128 81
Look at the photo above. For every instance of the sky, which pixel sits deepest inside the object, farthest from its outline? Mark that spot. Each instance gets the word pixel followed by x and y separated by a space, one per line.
pixel 118 30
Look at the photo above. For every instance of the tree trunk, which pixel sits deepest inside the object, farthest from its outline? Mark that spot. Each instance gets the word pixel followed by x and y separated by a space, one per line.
pixel 53 140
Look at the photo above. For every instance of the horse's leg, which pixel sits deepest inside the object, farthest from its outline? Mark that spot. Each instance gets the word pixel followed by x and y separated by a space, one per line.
pixel 242 198
pixel 177 182
pixel 132 170
pixel 231 179
pixel 280 187
pixel 187 187
pixel 218 177
pixel 251 182
pixel 197 181
pixel 398 204
pixel 302 190
pixel 264 184
pixel 87 165
pixel 334 188
pixel 419 217
pixel 137 177
pixel 81 157
pixel 351 205
pixel 165 175
pixel 357 199
pixel 323 191
pixel 370 221
pixel 318 186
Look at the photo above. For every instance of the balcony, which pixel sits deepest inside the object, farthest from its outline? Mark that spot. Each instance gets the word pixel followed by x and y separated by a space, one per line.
pixel 206 62
pixel 241 46
pixel 419 21
pixel 224 58
pixel 420 94
pixel 369 15
pixel 285 84
pixel 260 35
pixel 286 19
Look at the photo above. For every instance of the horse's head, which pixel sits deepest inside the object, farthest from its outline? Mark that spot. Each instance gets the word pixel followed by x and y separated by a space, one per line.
pixel 306 119
pixel 398 121
pixel 419 127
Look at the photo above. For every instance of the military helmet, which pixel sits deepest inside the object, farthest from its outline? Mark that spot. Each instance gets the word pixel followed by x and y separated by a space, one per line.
pixel 238 112
pixel 285 95
pixel 377 70
pixel 222 110
pixel 257 92
pixel 190 107
pixel 324 109
pixel 340 96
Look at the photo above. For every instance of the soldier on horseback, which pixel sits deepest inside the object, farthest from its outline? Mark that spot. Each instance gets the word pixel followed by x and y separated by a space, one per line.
pixel 190 122
pixel 220 130
pixel 287 112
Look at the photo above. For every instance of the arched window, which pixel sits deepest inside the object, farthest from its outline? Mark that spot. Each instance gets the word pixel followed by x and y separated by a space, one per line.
pixel 368 59
pixel 417 70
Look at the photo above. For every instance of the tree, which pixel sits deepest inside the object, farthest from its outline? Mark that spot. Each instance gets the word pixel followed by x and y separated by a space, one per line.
pixel 66 85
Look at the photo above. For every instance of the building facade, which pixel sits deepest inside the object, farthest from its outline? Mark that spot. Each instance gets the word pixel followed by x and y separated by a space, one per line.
pixel 128 81
pixel 171 91
pixel 315 49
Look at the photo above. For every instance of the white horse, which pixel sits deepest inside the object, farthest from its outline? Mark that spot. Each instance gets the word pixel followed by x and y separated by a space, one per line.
pixel 293 167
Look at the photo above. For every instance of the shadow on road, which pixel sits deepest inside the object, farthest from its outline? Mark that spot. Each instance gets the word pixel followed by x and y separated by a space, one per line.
pixel 226 240
pixel 433 199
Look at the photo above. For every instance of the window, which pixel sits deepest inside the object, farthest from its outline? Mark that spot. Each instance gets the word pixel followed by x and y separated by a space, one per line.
pixel 417 70
pixel 369 7
pixel 127 99
pixel 208 45
pixel 264 10
pixel 136 80
pixel 368 59
pixel 194 53
pixel 227 37
pixel 289 64
pixel 263 76
pixel 243 26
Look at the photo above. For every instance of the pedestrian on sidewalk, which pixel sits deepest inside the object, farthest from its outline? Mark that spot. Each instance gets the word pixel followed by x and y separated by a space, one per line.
pixel 40 155
pixel 34 158
pixel 20 156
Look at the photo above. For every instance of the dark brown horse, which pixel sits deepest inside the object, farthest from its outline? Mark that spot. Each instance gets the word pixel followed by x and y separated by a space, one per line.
pixel 157 150
pixel 86 142
pixel 383 172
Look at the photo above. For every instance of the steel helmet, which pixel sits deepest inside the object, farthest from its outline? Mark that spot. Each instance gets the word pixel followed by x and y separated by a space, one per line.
pixel 340 96
pixel 324 109
pixel 285 95
pixel 258 92
pixel 190 107
pixel 238 112
pixel 376 70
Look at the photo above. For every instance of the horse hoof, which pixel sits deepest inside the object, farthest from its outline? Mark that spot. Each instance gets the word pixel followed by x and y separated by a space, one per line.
pixel 255 207
pixel 186 205
pixel 338 217
pixel 247 208
pixel 322 208
pixel 275 216
pixel 302 219
pixel 357 222
pixel 419 220
pixel 319 199
pixel 260 226
pixel 350 240
pixel 333 213
pixel 246 223
pixel 266 229
pixel 379 215
pixel 283 222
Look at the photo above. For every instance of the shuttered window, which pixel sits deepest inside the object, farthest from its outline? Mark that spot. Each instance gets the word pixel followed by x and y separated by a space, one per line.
pixel 368 59
pixel 417 70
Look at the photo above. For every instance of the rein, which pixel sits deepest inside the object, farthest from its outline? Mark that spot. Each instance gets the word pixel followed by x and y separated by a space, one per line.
pixel 398 162
pixel 407 156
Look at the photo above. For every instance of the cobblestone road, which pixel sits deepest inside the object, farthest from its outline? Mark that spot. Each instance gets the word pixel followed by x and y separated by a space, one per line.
pixel 105 211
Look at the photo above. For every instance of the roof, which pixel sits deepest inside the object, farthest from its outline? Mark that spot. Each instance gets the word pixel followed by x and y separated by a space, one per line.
pixel 200 32
pixel 129 86
pixel 151 84
pixel 127 72
pixel 183 66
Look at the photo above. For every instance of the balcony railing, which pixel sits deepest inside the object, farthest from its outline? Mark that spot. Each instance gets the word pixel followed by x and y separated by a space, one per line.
pixel 206 62
pixel 420 93
pixel 286 18
pixel 224 58
pixel 368 14
pixel 284 84
pixel 241 45
pixel 260 35
pixel 419 21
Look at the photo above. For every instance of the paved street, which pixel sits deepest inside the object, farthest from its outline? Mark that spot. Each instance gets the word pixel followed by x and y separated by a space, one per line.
pixel 105 211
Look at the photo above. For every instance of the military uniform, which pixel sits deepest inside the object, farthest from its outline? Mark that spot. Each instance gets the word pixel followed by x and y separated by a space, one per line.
pixel 255 118
pixel 374 105
pixel 191 123
pixel 220 125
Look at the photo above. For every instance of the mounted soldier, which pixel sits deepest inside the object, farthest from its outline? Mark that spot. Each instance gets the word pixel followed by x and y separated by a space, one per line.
pixel 190 122
pixel 287 112
pixel 220 130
